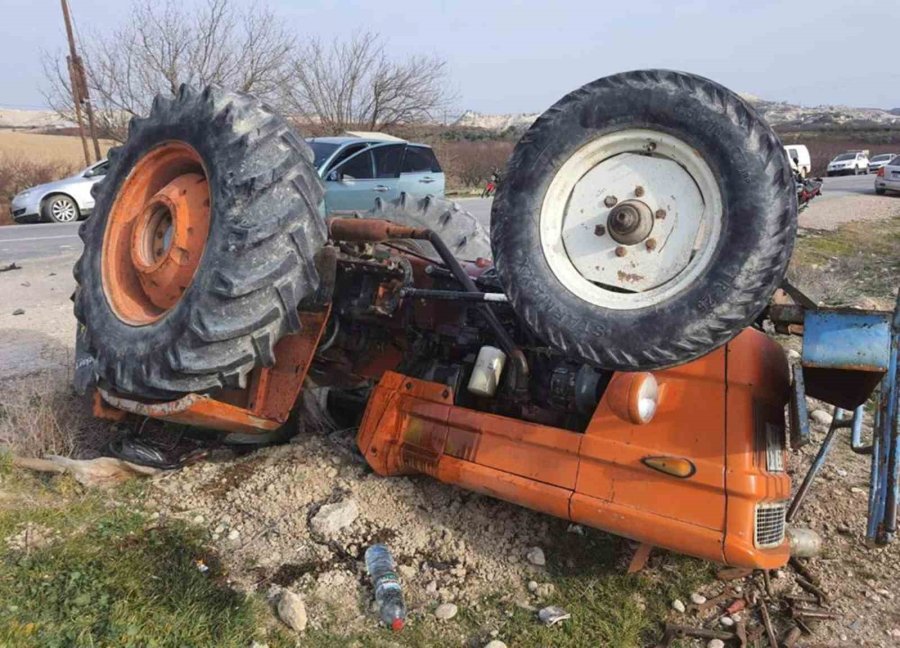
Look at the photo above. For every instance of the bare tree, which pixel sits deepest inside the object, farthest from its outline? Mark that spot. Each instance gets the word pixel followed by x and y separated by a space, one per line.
pixel 166 44
pixel 354 83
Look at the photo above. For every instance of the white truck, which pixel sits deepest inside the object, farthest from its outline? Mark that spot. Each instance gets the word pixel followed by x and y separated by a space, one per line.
pixel 798 154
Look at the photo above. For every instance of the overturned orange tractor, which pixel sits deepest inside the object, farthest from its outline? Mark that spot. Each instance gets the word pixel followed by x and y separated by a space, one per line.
pixel 600 358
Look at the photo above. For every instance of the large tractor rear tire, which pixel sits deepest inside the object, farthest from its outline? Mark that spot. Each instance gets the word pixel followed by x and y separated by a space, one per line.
pixel 644 220
pixel 466 237
pixel 200 247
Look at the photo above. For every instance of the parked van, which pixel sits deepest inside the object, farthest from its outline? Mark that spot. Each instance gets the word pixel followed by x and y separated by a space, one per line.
pixel 800 160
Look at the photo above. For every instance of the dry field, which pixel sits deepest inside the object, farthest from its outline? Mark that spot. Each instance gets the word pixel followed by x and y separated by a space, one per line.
pixel 27 159
pixel 48 149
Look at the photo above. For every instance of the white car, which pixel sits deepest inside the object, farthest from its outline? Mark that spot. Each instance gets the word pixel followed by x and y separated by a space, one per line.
pixel 888 177
pixel 62 201
pixel 878 161
pixel 849 163
pixel 798 154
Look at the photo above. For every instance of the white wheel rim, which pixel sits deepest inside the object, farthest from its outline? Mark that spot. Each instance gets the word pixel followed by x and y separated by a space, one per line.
pixel 63 210
pixel 673 177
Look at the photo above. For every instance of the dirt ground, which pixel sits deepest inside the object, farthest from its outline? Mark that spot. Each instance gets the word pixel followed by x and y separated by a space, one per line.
pixel 260 509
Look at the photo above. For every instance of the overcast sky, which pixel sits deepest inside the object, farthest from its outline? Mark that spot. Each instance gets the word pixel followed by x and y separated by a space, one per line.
pixel 521 57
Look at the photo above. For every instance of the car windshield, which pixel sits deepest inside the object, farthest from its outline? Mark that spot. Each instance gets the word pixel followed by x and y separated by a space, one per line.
pixel 322 151
pixel 845 156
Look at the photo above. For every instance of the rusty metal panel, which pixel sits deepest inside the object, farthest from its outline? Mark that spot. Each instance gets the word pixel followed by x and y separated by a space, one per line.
pixel 845 354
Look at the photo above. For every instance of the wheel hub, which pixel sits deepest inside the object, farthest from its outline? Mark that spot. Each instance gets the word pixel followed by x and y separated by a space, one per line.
pixel 630 222
pixel 156 233
pixel 631 218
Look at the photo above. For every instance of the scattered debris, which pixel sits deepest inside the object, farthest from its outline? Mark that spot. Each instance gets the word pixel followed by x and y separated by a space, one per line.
pixel 292 610
pixel 331 518
pixel 535 556
pixel 11 266
pixel 551 615
pixel 19 311
pixel 446 611
pixel 102 471
pixel 674 631
pixel 202 567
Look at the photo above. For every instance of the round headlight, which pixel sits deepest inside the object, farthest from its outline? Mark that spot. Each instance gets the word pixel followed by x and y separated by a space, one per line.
pixel 633 397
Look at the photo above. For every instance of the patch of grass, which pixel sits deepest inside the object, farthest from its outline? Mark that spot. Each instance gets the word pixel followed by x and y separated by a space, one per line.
pixel 99 573
pixel 860 259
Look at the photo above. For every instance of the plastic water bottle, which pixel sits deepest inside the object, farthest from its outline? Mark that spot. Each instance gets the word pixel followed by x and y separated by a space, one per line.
pixel 388 595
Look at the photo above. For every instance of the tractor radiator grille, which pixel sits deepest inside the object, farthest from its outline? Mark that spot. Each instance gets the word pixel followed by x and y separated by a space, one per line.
pixel 770 524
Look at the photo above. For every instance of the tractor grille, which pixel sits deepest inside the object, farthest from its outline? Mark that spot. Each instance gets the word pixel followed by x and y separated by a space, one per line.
pixel 770 524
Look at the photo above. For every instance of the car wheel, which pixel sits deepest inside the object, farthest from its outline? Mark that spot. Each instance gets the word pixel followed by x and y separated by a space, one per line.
pixel 60 209
pixel 879 191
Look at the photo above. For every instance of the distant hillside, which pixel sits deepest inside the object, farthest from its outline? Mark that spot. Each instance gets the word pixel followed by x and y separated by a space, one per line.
pixel 32 119
pixel 779 114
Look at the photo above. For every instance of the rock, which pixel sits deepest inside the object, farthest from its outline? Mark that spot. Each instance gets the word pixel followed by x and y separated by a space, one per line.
pixel 552 615
pixel 715 643
pixel 408 572
pixel 331 518
pixel 821 417
pixel 259 644
pixel 576 529
pixel 532 586
pixel 726 621
pixel 495 643
pixel 432 587
pixel 445 611
pixel 697 598
pixel 234 534
pixel 678 606
pixel 535 556
pixel 895 633
pixel 292 610
pixel 19 311
pixel 544 590
pixel 198 519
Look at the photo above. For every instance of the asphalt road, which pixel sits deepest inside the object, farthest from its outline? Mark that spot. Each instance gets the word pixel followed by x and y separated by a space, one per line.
pixel 43 240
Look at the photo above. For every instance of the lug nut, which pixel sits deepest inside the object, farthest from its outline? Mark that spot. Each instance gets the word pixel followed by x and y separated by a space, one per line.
pixel 621 251
pixel 599 230
pixel 660 213
pixel 651 244
pixel 639 191
pixel 610 201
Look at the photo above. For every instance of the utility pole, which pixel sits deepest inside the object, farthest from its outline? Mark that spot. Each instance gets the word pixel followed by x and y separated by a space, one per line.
pixel 79 88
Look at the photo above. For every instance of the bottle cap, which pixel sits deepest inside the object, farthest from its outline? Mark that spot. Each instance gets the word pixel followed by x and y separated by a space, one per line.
pixel 397 625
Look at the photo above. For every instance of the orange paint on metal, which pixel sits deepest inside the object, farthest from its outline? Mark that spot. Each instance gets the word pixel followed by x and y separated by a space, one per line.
pixel 274 390
pixel 102 410
pixel 197 410
pixel 710 413
pixel 155 233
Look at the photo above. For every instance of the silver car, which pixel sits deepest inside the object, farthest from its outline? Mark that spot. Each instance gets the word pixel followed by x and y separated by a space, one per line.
pixel 62 201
